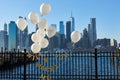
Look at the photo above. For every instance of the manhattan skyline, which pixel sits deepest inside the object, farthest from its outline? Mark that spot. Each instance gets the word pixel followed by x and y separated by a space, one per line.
pixel 105 12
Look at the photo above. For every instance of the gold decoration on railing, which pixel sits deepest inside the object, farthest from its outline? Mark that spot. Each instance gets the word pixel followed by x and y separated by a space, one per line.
pixel 45 59
pixel 33 56
pixel 40 66
pixel 48 68
pixel 48 77
pixel 62 56
pixel 29 55
pixel 42 76
pixel 45 77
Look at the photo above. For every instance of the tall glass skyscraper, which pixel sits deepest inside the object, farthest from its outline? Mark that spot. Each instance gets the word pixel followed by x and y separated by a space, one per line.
pixel 1 40
pixel 92 31
pixel 12 39
pixel 68 31
pixel 72 23
pixel 4 38
pixel 5 27
pixel 25 38
pixel 61 27
pixel 22 39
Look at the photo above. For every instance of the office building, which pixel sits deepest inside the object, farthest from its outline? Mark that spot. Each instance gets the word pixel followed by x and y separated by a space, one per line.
pixel 5 27
pixel 12 39
pixel 85 39
pixel 92 31
pixel 4 38
pixel 102 43
pixel 52 42
pixel 61 27
pixel 72 23
pixel 62 41
pixel 68 31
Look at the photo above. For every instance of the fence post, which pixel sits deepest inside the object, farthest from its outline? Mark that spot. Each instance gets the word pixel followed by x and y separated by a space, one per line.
pixel 96 68
pixel 5 50
pixel 24 64
pixel 2 49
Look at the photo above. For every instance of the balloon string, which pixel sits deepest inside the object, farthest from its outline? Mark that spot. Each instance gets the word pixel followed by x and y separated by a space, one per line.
pixel 73 45
pixel 49 44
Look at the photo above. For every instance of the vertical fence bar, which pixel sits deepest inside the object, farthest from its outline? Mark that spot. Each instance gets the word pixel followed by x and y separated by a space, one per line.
pixel 118 64
pixel 101 65
pixel 107 54
pixel 24 64
pixel 91 68
pixel 96 70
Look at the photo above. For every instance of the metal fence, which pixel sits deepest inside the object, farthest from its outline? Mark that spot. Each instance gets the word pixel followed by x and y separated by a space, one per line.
pixel 72 65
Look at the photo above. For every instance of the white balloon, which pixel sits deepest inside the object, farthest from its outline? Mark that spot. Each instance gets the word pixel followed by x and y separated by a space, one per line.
pixel 42 24
pixel 33 17
pixel 41 33
pixel 35 48
pixel 21 24
pixel 75 36
pixel 36 37
pixel 45 8
pixel 50 31
pixel 44 43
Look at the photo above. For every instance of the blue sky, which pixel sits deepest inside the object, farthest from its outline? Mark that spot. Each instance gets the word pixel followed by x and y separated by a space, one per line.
pixel 106 12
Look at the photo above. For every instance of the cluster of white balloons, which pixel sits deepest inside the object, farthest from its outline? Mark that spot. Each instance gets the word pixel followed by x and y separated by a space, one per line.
pixel 43 29
pixel 75 36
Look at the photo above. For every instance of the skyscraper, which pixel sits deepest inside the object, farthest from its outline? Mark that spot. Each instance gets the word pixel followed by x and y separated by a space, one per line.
pixel 72 23
pixel 52 42
pixel 5 27
pixel 12 39
pixel 92 31
pixel 89 35
pixel 24 39
pixel 4 38
pixel 93 24
pixel 85 39
pixel 61 27
pixel 1 40
pixel 68 31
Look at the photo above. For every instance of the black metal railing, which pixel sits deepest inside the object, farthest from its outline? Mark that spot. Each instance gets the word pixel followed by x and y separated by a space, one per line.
pixel 71 65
